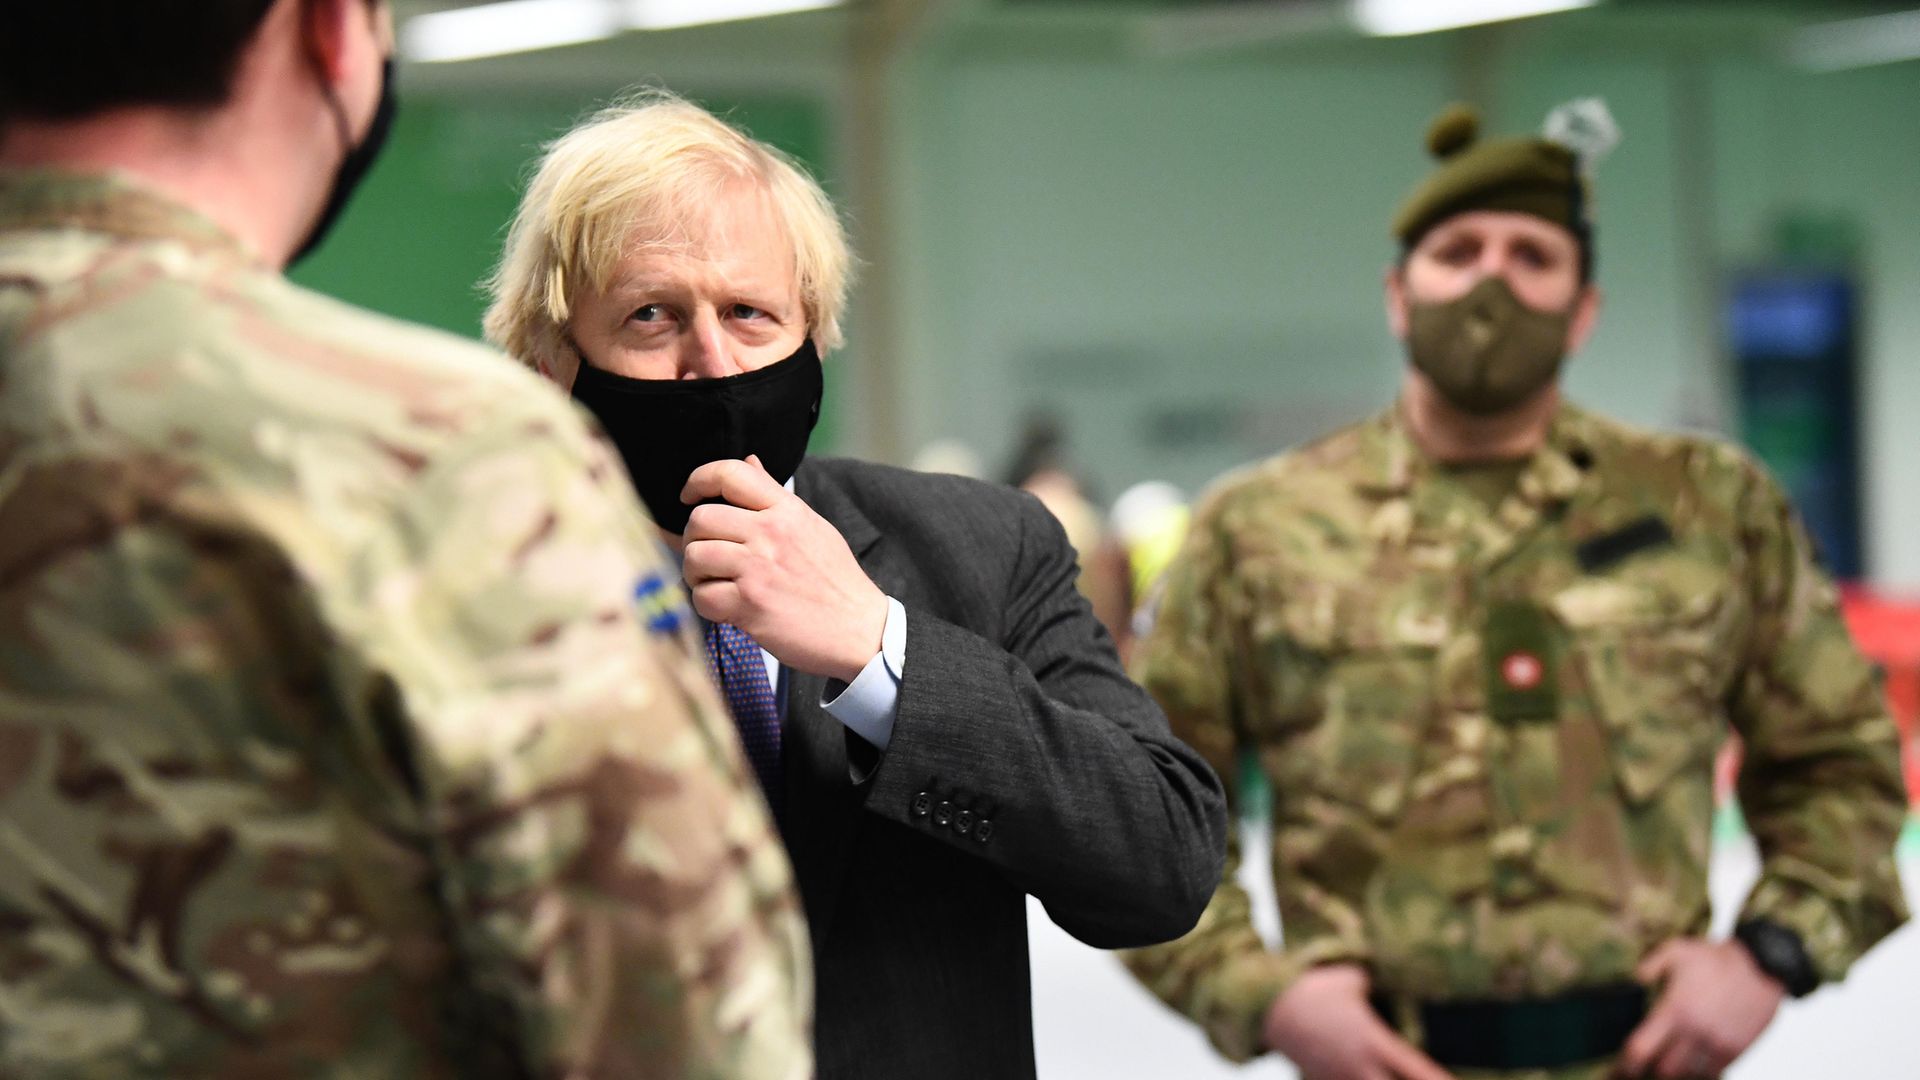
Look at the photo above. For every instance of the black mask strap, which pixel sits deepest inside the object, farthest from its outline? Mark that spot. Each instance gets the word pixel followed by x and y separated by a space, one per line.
pixel 356 160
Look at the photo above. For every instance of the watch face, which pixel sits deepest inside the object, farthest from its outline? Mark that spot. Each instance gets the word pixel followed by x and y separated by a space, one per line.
pixel 1778 952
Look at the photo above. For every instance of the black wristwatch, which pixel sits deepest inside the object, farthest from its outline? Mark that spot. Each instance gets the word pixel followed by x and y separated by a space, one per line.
pixel 1780 953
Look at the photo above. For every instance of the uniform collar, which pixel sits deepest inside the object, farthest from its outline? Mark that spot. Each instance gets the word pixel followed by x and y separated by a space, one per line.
pixel 113 204
pixel 1392 464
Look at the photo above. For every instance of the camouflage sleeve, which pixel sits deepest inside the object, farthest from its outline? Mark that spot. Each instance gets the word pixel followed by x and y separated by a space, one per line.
pixel 1221 975
pixel 1820 783
pixel 619 899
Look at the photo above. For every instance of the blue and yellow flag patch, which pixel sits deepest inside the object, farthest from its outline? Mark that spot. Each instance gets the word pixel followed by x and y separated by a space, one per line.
pixel 663 603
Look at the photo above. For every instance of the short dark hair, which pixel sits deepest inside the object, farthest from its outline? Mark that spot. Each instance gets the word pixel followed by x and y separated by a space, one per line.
pixel 64 59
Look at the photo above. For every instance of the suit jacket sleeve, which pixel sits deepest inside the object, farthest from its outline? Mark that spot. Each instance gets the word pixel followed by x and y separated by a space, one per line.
pixel 1033 730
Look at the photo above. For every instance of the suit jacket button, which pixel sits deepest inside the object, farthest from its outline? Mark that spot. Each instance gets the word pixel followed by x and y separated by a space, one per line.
pixel 963 823
pixel 983 830
pixel 943 813
pixel 922 803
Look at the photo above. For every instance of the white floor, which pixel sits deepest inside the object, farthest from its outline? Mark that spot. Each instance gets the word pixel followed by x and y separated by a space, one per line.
pixel 1093 1022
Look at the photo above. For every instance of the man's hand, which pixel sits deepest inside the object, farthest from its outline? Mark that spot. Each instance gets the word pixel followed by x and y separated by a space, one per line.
pixel 771 566
pixel 1324 1025
pixel 1714 1002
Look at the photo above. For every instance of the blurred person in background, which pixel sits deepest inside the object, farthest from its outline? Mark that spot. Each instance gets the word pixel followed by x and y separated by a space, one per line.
pixel 1149 523
pixel 1041 469
pixel 936 717
pixel 332 741
pixel 1485 645
pixel 952 457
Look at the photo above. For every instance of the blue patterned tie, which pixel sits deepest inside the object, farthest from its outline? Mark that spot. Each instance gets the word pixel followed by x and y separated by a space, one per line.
pixel 742 673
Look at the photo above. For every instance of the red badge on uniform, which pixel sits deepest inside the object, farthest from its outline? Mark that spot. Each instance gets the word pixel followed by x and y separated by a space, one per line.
pixel 1518 646
pixel 1522 671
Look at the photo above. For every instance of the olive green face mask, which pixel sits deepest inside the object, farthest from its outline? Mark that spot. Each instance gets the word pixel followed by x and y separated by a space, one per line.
pixel 1487 352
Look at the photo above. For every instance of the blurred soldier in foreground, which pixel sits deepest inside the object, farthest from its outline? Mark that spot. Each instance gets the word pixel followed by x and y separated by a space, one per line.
pixel 332 740
pixel 1485 645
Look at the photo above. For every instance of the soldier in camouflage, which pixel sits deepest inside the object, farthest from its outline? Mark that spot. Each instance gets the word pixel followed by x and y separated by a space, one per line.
pixel 1484 647
pixel 333 741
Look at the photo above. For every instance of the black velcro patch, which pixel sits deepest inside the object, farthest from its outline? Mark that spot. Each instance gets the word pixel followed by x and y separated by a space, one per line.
pixel 1608 548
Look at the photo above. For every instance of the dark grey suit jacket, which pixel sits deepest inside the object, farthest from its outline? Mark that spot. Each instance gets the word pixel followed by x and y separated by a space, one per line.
pixel 1022 761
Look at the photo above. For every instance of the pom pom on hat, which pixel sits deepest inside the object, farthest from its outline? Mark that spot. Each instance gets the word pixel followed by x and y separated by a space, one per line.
pixel 1453 131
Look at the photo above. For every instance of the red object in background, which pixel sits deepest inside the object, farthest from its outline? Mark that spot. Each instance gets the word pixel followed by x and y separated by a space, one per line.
pixel 1888 632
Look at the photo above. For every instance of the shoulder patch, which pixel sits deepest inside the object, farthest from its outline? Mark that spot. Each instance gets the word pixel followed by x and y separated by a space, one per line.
pixel 663 603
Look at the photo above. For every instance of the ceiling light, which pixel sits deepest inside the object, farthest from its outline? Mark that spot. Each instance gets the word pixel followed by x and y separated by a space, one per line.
pixel 1853 43
pixel 511 26
pixel 661 14
pixel 1398 18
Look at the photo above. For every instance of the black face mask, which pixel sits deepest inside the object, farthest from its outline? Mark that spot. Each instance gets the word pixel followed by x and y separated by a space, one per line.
pixel 666 428
pixel 354 166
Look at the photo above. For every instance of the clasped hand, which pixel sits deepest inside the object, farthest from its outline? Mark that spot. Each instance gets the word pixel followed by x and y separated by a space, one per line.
pixel 1325 1026
pixel 766 563
pixel 1714 1002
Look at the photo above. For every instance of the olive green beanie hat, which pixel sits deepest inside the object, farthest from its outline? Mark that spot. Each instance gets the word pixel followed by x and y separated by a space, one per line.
pixel 1541 175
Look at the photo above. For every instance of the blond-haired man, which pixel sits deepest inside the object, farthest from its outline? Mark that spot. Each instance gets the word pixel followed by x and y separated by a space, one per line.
pixel 938 720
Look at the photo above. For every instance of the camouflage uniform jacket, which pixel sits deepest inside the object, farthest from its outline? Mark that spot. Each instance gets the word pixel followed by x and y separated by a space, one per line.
pixel 332 741
pixel 1330 614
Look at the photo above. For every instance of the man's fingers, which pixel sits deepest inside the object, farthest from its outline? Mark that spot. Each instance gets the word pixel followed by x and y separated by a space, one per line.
pixel 1657 963
pixel 744 485
pixel 1645 1045
pixel 718 601
pixel 1684 1059
pixel 1406 1062
pixel 712 560
pixel 719 521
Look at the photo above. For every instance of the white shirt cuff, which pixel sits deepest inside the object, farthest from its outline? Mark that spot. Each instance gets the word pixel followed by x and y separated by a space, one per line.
pixel 867 704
